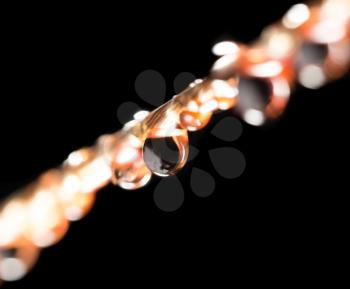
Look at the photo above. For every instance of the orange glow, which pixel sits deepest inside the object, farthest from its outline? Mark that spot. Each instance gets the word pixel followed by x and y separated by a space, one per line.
pixel 12 222
pixel 38 215
pixel 46 221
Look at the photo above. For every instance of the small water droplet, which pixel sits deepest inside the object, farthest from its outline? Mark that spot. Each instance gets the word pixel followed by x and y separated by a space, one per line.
pixel 133 179
pixel 123 152
pixel 132 175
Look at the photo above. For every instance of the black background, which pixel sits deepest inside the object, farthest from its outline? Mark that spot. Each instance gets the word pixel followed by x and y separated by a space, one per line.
pixel 64 76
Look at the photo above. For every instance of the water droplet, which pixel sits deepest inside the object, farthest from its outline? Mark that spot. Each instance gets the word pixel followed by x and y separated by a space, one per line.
pixel 133 178
pixel 124 153
pixel 131 173
pixel 164 156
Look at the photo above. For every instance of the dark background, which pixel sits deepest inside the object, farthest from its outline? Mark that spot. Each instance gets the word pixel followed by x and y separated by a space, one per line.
pixel 64 76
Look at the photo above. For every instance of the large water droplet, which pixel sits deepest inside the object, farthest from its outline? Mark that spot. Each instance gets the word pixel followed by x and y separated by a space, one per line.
pixel 164 156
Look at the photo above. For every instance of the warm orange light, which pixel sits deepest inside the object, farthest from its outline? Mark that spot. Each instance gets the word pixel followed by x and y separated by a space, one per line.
pixel 38 216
